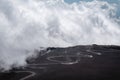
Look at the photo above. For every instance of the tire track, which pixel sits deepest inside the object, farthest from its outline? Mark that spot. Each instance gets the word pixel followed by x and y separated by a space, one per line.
pixel 26 77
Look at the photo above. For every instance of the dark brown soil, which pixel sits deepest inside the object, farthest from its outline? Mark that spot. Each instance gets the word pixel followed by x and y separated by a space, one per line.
pixel 101 67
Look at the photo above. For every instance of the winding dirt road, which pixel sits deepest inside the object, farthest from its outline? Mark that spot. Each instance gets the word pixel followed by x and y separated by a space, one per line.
pixel 52 59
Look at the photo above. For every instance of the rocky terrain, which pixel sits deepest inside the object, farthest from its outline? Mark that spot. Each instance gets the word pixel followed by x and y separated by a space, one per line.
pixel 83 62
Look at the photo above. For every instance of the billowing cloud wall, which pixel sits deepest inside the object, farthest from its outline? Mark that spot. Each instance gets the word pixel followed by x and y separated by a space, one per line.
pixel 26 25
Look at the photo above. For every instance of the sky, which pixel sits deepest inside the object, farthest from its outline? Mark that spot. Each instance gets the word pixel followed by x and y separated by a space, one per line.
pixel 111 1
pixel 70 1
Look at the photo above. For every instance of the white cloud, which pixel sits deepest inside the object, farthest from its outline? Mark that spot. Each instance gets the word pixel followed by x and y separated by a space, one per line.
pixel 27 25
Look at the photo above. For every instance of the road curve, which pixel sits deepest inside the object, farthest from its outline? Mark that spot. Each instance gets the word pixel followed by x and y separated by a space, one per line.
pixel 26 77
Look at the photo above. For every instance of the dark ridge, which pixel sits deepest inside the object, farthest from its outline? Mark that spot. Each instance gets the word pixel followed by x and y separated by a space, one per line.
pixel 51 48
pixel 113 47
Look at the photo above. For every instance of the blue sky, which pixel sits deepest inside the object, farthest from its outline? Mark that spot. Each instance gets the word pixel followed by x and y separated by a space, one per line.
pixel 70 1
pixel 111 1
